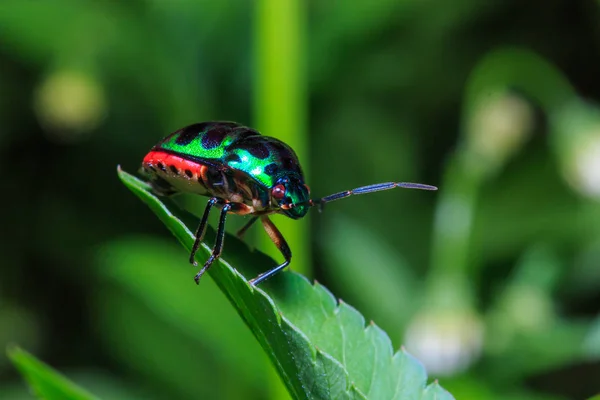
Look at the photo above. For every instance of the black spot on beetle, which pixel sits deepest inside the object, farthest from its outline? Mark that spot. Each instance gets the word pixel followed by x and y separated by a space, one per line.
pixel 288 163
pixel 174 169
pixel 259 150
pixel 244 132
pixel 187 134
pixel 214 136
pixel 162 167
pixel 271 169
pixel 188 173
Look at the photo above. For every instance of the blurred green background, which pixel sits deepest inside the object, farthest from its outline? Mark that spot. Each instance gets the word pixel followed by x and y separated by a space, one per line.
pixel 493 282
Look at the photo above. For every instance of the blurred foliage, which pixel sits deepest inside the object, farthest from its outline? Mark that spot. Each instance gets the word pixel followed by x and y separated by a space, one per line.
pixel 494 102
pixel 46 384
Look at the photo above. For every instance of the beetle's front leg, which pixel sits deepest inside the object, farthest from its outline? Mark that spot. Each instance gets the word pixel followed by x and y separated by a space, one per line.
pixel 281 244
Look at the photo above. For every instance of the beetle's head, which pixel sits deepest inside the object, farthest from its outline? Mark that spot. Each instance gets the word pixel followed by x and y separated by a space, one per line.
pixel 291 196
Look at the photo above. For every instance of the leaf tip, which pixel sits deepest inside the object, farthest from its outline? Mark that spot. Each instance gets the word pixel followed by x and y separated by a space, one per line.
pixel 13 350
pixel 121 172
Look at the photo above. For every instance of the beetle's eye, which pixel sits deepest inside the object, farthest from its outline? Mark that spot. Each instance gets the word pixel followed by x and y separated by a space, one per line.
pixel 278 192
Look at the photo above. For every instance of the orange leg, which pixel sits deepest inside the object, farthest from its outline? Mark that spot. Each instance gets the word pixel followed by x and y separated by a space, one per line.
pixel 281 244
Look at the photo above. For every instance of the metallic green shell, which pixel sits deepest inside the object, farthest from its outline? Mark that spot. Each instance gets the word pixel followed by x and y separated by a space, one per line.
pixel 237 147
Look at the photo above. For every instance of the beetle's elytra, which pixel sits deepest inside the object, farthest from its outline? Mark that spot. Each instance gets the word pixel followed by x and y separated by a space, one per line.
pixel 243 172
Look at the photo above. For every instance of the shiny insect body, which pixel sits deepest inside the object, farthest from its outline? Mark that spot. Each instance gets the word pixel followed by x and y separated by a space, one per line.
pixel 243 172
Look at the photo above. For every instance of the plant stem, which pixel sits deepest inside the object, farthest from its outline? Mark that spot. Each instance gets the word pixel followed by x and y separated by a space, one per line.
pixel 280 109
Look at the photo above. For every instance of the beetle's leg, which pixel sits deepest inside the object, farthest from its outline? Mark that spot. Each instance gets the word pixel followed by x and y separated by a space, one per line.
pixel 369 189
pixel 281 244
pixel 216 253
pixel 202 229
pixel 244 228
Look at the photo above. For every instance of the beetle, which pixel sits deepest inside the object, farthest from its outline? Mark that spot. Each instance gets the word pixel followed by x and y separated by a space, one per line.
pixel 243 172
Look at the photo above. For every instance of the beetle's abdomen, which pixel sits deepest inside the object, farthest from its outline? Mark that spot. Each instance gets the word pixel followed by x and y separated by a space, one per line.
pixel 170 173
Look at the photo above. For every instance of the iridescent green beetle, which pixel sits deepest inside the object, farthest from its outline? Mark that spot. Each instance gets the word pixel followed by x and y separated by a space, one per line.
pixel 243 173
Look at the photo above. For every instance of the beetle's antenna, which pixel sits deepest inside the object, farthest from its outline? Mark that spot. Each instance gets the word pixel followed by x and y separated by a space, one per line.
pixel 368 189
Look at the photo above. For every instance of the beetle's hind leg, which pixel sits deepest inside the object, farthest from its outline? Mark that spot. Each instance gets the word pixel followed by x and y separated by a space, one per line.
pixel 281 244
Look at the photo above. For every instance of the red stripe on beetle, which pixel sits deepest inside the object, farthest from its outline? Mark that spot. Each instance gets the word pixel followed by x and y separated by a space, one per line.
pixel 166 162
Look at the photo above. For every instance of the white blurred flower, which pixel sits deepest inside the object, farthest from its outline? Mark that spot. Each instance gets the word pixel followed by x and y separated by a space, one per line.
pixel 497 127
pixel 69 104
pixel 583 172
pixel 446 341
pixel 576 141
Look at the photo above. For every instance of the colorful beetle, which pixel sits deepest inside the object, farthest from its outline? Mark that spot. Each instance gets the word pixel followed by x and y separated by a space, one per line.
pixel 243 173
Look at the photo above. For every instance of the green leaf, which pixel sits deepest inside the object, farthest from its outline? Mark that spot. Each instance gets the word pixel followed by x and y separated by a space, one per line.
pixel 45 382
pixel 320 347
